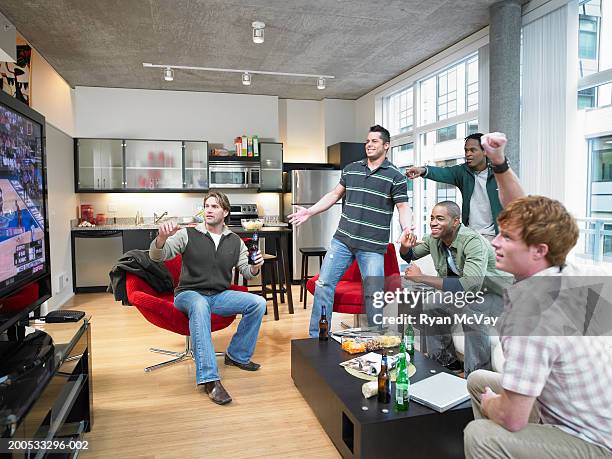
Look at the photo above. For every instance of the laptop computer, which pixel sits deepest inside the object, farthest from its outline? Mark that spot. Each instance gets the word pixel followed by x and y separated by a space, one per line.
pixel 440 392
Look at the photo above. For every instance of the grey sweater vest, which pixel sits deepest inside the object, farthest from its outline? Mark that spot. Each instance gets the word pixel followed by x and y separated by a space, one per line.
pixel 205 269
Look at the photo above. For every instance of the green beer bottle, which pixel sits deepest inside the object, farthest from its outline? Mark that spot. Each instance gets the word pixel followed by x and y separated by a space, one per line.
pixel 409 340
pixel 402 382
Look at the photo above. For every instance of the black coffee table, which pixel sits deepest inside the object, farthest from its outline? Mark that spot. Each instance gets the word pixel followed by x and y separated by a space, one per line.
pixel 336 399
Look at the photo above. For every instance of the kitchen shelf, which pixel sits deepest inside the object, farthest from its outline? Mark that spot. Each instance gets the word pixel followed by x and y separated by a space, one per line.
pixel 234 158
pixel 149 168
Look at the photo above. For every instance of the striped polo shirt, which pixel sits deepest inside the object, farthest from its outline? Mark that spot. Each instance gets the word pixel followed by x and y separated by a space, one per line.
pixel 370 197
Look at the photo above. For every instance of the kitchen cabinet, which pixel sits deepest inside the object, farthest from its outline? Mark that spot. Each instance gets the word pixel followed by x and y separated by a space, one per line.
pixel 99 164
pixel 131 165
pixel 196 166
pixel 138 239
pixel 271 166
pixel 153 165
pixel 96 251
pixel 344 153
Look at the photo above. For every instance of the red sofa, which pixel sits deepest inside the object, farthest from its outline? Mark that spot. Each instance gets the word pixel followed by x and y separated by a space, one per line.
pixel 348 298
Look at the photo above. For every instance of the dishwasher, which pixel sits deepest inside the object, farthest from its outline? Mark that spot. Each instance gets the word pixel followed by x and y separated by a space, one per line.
pixel 94 254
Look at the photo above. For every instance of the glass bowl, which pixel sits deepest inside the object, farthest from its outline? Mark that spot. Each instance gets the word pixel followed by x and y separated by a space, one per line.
pixel 252 224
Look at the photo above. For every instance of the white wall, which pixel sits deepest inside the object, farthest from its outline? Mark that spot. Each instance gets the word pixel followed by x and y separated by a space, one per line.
pixel 339 121
pixel 364 115
pixel 62 203
pixel 51 95
pixel 174 115
pixel 302 130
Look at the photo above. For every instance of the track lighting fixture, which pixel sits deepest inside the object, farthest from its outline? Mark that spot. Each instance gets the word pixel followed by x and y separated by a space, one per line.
pixel 168 73
pixel 258 31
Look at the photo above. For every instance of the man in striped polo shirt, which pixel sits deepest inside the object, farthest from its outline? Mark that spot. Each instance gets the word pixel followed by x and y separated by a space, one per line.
pixel 371 187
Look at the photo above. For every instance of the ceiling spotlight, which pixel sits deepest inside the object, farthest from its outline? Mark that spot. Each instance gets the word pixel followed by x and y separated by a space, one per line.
pixel 321 83
pixel 168 74
pixel 258 31
pixel 246 79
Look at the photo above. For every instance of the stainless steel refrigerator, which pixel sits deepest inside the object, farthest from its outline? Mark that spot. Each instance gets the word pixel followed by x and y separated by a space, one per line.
pixel 307 187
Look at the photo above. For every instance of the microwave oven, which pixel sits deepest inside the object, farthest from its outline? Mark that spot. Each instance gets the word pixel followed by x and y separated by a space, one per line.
pixel 233 174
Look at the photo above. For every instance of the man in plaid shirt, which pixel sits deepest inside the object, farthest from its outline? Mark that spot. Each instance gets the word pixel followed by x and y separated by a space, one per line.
pixel 554 398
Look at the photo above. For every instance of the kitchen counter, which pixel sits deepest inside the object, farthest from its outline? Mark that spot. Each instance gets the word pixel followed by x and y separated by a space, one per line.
pixel 125 229
pixel 152 226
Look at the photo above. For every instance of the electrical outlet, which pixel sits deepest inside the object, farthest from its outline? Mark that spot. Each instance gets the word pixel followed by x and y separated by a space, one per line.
pixel 62 281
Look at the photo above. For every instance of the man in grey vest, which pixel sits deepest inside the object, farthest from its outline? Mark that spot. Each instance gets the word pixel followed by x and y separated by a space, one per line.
pixel 210 251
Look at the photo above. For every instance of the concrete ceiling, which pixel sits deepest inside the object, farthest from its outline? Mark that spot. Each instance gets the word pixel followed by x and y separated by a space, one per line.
pixel 363 43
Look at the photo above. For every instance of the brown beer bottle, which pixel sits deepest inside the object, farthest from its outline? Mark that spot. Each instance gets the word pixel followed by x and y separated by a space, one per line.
pixel 384 382
pixel 323 325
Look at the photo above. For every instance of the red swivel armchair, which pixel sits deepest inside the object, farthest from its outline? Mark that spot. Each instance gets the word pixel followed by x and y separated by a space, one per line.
pixel 348 298
pixel 158 308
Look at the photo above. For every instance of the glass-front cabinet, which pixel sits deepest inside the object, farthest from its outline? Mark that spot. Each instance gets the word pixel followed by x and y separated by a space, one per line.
pixel 271 166
pixel 100 164
pixel 153 165
pixel 196 166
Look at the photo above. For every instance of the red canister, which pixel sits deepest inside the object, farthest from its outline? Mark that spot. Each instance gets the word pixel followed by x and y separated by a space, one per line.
pixel 87 213
pixel 100 219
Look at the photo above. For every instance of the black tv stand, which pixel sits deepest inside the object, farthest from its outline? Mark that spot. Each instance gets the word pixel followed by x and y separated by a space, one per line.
pixel 63 407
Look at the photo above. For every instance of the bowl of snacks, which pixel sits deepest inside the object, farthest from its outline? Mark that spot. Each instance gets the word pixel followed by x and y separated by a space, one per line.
pixel 252 224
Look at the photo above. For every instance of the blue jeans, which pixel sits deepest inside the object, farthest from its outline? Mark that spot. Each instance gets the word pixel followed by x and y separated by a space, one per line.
pixel 337 260
pixel 199 307
pixel 477 347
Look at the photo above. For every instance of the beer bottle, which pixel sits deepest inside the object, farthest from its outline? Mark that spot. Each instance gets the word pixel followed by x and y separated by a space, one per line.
pixel 402 382
pixel 409 341
pixel 323 325
pixel 384 382
pixel 253 248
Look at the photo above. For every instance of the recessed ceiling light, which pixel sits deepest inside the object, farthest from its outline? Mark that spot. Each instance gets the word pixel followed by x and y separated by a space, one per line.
pixel 258 31
pixel 246 79
pixel 168 74
pixel 321 83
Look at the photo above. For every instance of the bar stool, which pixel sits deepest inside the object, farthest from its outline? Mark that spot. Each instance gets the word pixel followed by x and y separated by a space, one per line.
pixel 308 252
pixel 271 278
pixel 270 263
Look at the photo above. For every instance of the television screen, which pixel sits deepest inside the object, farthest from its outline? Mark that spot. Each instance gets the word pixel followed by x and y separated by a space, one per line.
pixel 23 236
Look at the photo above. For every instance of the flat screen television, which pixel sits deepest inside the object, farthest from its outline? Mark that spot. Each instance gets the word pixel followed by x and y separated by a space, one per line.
pixel 24 236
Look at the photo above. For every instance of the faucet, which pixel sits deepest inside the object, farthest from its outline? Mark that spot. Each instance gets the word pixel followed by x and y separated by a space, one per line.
pixel 156 218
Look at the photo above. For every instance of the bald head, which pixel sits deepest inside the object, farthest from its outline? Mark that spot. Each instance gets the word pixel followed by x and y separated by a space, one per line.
pixel 452 208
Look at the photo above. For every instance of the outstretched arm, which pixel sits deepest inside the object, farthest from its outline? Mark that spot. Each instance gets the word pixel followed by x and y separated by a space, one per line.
pixel 302 214
pixel 509 187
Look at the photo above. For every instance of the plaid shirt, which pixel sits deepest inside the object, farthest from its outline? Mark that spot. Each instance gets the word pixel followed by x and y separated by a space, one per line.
pixel 570 376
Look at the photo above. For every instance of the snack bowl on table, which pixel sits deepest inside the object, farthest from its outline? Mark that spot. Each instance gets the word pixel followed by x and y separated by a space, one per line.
pixel 252 224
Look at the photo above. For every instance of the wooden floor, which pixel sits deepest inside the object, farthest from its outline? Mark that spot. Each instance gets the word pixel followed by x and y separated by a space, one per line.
pixel 163 415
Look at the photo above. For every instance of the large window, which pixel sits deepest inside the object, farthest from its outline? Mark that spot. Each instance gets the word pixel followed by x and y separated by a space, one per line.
pixel 401 113
pixel 588 37
pixel 450 92
pixel 594 36
pixel 427 120
pixel 471 82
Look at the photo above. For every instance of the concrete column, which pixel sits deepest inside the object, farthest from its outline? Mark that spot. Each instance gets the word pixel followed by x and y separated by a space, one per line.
pixel 504 75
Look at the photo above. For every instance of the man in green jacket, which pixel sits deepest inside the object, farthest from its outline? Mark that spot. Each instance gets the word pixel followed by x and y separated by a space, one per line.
pixel 465 264
pixel 476 181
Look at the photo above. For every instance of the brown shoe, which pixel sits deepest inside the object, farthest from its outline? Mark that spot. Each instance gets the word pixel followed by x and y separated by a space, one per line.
pixel 251 366
pixel 217 392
